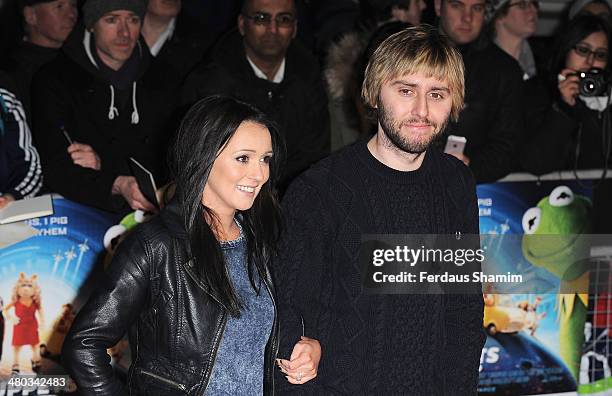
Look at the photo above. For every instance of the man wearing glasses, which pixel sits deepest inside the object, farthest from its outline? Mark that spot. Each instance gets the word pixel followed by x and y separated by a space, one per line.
pixel 492 120
pixel 260 63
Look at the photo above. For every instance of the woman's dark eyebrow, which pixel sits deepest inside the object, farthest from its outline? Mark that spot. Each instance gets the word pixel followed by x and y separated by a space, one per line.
pixel 252 151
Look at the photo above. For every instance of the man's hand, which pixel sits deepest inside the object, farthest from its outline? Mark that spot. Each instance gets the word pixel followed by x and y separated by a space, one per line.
pixel 304 362
pixel 128 188
pixel 84 155
pixel 5 200
pixel 568 86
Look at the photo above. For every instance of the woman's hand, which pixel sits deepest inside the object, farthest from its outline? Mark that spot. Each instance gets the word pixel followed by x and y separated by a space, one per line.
pixel 568 86
pixel 304 361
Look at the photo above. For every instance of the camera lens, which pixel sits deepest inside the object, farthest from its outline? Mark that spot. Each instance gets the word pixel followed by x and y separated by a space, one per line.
pixel 593 83
pixel 589 86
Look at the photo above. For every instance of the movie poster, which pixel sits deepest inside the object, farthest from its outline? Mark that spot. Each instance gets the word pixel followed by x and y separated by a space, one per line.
pixel 595 376
pixel 535 343
pixel 46 269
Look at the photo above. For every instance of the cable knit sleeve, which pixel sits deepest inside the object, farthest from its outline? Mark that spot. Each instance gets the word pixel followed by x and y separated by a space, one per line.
pixel 302 275
pixel 464 335
pixel 463 343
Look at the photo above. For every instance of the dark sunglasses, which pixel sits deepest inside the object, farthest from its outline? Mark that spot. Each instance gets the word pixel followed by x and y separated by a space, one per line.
pixel 524 4
pixel 265 19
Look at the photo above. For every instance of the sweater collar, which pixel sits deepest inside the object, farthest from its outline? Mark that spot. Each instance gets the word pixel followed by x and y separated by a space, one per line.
pixel 393 175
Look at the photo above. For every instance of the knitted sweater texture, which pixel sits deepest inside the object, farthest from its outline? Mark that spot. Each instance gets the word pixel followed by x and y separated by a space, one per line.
pixel 376 344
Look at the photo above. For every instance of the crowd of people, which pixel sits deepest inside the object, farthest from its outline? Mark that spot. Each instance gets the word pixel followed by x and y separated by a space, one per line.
pixel 91 88
pixel 345 127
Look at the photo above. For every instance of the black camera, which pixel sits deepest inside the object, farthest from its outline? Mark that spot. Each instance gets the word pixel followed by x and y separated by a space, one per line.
pixel 593 83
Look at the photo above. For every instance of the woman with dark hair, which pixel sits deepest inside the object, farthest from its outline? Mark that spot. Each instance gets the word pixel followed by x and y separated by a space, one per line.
pixel 569 129
pixel 192 286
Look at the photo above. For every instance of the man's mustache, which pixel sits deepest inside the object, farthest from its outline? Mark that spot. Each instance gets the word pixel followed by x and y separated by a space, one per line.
pixel 423 121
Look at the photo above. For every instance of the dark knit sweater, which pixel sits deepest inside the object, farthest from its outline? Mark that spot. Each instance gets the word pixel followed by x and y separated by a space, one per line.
pixel 385 344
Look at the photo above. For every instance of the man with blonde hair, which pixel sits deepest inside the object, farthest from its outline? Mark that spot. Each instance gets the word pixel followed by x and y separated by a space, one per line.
pixel 393 183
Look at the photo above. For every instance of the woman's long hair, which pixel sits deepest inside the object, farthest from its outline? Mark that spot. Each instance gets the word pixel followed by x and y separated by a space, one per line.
pixel 574 32
pixel 202 135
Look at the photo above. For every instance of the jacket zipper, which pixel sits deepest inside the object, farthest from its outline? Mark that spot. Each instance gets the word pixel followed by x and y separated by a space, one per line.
pixel 221 329
pixel 274 346
pixel 217 340
pixel 176 385
pixel 131 375
pixel 213 355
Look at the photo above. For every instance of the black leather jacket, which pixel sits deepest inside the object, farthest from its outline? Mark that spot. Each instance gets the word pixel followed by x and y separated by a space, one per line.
pixel 175 323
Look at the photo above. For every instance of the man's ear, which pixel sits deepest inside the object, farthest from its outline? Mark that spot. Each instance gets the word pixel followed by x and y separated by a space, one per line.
pixel 241 24
pixel 438 6
pixel 29 15
pixel 295 28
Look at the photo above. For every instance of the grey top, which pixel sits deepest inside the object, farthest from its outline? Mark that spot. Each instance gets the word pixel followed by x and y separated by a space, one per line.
pixel 239 365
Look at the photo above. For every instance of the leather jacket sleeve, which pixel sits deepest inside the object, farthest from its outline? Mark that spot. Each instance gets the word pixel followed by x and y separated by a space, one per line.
pixel 106 317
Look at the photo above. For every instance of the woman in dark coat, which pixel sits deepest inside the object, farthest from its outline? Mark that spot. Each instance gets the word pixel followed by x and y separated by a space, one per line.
pixel 567 129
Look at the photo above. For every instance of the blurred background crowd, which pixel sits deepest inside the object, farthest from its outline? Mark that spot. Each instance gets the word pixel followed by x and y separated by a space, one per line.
pixel 86 85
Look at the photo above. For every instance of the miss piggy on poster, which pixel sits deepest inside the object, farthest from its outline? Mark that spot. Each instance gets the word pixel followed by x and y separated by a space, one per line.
pixel 27 304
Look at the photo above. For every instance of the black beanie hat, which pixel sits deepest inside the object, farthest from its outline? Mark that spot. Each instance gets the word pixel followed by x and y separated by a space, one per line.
pixel 95 9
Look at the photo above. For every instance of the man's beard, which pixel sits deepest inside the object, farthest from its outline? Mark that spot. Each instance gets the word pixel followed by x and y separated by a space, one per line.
pixel 392 129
